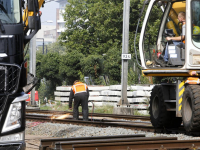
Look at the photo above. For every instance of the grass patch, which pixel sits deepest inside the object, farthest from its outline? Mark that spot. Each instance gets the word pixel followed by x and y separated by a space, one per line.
pixel 105 109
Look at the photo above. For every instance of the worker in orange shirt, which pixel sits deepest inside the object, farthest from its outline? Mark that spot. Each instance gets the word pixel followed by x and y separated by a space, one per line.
pixel 80 93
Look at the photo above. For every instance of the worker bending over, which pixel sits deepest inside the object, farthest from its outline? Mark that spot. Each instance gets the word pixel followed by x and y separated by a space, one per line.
pixel 80 93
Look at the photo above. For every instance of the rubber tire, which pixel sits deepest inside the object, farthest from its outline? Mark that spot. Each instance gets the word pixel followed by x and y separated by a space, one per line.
pixel 159 116
pixel 191 108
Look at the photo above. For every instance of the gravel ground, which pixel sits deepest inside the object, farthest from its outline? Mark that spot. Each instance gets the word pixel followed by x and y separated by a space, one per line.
pixel 69 130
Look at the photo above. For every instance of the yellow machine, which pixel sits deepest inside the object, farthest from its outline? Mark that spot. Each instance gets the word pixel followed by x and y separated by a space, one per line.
pixel 172 103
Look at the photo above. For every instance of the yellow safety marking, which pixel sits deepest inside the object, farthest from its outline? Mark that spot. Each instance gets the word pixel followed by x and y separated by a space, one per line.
pixel 180 107
pixel 180 100
pixel 181 92
pixel 181 84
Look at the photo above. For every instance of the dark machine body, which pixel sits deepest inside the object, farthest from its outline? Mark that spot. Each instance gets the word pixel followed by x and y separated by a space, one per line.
pixel 15 33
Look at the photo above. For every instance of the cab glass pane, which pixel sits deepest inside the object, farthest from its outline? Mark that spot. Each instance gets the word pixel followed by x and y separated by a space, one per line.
pixel 195 23
pixel 9 11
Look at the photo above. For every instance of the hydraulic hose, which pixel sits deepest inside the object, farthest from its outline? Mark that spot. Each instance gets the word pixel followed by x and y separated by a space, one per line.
pixel 145 2
pixel 135 41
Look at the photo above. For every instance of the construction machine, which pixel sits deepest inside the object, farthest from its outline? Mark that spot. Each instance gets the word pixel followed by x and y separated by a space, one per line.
pixel 176 101
pixel 19 22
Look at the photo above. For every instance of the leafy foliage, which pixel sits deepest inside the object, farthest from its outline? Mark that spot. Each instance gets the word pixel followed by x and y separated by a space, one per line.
pixel 91 45
pixel 92 26
pixel 92 65
pixel 70 66
pixel 112 64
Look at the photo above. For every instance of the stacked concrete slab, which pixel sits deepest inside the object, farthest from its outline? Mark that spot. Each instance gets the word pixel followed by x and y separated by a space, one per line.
pixel 138 95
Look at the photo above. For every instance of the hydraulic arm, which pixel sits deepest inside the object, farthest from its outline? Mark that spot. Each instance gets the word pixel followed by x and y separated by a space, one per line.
pixel 29 12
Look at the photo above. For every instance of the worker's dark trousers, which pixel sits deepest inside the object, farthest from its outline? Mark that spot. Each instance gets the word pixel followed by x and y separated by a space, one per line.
pixel 81 98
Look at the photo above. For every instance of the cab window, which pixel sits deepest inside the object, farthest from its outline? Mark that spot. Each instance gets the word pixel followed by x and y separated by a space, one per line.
pixel 195 11
pixel 9 11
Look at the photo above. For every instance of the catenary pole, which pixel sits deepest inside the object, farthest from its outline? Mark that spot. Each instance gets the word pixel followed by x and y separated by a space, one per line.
pixel 125 43
pixel 33 66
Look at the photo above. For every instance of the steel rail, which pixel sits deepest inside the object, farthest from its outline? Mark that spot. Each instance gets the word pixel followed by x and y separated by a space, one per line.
pixel 132 117
pixel 136 145
pixel 46 143
pixel 123 142
pixel 128 124
pixel 96 119
pixel 102 142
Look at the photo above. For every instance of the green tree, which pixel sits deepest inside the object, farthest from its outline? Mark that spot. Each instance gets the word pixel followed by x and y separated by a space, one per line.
pixel 49 69
pixel 92 66
pixel 55 47
pixel 70 66
pixel 112 64
pixel 92 25
pixel 39 72
pixel 44 90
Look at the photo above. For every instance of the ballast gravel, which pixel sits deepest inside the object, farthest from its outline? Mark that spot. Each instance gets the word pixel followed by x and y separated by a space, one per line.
pixel 69 130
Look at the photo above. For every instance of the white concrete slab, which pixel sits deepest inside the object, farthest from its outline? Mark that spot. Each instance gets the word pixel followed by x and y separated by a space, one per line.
pixel 64 99
pixel 132 87
pixel 68 93
pixel 98 88
pixel 61 93
pixel 110 93
pixel 94 93
pixel 109 98
pixel 142 93
pixel 137 100
pixel 101 104
pixel 63 88
pixel 91 88
pixel 139 106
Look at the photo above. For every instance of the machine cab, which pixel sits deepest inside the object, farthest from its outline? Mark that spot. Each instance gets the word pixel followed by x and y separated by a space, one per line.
pixel 161 21
pixel 10 11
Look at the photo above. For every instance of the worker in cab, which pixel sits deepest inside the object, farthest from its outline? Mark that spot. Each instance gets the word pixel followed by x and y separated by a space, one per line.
pixel 80 93
pixel 177 41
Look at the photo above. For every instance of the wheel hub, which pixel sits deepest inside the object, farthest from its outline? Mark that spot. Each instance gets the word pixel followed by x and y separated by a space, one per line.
pixel 155 107
pixel 188 107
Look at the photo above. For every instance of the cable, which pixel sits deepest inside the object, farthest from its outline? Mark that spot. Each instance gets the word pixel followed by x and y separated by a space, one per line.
pixel 27 49
pixel 135 42
pixel 145 2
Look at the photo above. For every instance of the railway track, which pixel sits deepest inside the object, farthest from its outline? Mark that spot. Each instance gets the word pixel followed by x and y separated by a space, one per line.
pixel 125 117
pixel 100 120
pixel 109 142
pixel 95 119
pixel 123 142
pixel 146 126
pixel 103 120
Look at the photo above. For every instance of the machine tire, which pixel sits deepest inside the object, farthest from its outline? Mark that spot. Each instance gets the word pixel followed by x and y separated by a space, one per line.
pixel 191 108
pixel 159 116
pixel 157 108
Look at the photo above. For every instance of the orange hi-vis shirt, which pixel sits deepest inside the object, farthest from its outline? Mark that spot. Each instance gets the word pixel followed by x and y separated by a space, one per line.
pixel 79 87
